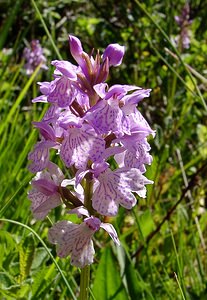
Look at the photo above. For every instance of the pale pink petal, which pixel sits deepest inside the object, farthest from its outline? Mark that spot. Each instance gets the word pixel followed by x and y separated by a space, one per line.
pixel 111 151
pixel 83 253
pixel 64 93
pixel 79 211
pixel 115 189
pixel 104 199
pixel 137 158
pixel 98 168
pixel 67 182
pixel 132 178
pixel 119 158
pixel 80 146
pixel 40 156
pixel 55 173
pixel 63 234
pixel 106 117
pixel 52 113
pixel 111 231
pixel 101 89
pixel 45 190
pixel 67 119
pixel 130 101
pixel 45 87
pixel 142 193
pixel 79 176
pixel 42 204
pixel 46 130
pixel 139 123
pixel 47 187
pixel 75 240
pixel 41 98
pixel 115 54
pixel 66 68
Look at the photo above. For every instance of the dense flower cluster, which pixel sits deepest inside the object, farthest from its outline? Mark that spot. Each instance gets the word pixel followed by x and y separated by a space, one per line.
pixel 89 125
pixel 33 56
pixel 184 23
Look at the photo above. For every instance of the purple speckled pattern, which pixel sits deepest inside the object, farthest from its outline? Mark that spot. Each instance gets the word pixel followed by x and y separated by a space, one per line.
pixel 115 189
pixel 79 146
pixel 100 140
pixel 75 240
pixel 44 194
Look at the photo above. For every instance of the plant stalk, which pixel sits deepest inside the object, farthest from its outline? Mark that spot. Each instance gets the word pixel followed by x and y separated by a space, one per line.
pixel 88 193
pixel 85 272
pixel 84 283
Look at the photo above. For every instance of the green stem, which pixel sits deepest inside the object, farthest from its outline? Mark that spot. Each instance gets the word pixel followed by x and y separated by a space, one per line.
pixel 88 193
pixel 145 247
pixel 85 272
pixel 173 87
pixel 84 283
pixel 172 95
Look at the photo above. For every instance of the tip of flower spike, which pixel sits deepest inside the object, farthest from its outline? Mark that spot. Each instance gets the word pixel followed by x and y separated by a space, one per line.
pixel 75 47
pixel 115 54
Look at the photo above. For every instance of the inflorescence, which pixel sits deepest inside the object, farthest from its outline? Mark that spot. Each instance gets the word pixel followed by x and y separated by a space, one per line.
pixel 101 139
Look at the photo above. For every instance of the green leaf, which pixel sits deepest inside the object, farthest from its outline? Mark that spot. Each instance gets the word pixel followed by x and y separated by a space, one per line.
pixel 40 256
pixel 146 223
pixel 7 281
pixel 108 283
pixel 9 117
pixel 7 244
pixel 202 135
pixel 7 240
pixel 44 282
pixel 135 286
pixel 9 21
pixel 40 284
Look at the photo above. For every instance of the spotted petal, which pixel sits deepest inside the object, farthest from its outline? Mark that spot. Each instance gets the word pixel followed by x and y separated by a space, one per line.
pixel 138 158
pixel 81 145
pixel 130 101
pixel 107 117
pixel 63 94
pixel 137 151
pixel 139 124
pixel 75 240
pixel 115 189
pixel 42 204
pixel 40 156
pixel 44 193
